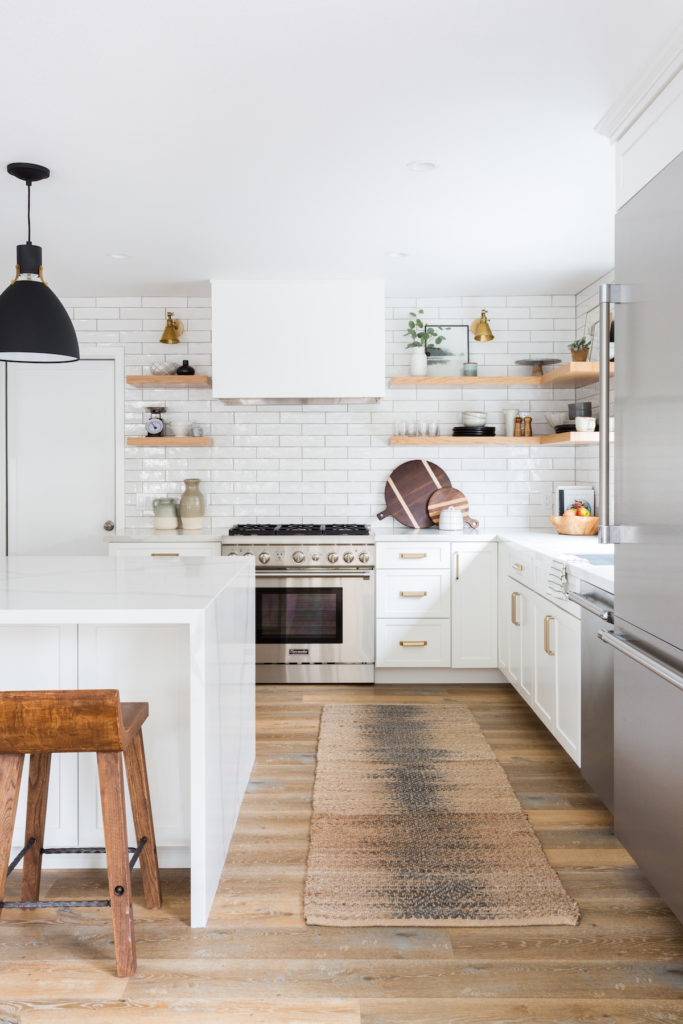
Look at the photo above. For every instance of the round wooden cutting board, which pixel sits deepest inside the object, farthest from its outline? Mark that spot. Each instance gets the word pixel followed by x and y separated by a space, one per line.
pixel 408 489
pixel 450 497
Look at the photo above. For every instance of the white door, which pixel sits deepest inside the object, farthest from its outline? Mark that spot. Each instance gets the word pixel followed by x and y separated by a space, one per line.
pixel 475 606
pixel 61 456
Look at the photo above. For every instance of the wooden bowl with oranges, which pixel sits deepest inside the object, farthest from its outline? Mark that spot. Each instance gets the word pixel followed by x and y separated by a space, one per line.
pixel 577 521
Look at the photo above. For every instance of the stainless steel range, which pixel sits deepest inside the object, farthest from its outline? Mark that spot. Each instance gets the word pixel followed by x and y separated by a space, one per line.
pixel 315 601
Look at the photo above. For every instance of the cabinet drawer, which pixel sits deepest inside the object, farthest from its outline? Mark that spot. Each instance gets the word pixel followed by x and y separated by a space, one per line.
pixel 407 643
pixel 414 594
pixel 413 555
pixel 519 564
pixel 165 550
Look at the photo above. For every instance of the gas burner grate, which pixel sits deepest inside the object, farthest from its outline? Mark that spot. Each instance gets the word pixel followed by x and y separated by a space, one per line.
pixel 298 529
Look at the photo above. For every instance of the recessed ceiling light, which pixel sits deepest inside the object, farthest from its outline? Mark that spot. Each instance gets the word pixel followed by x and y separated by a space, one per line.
pixel 421 165
pixel 118 255
pixel 396 255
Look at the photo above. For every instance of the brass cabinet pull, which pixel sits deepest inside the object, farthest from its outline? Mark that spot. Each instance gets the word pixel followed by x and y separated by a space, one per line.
pixel 413 643
pixel 413 593
pixel 413 554
pixel 457 565
pixel 518 567
pixel 546 634
pixel 165 554
pixel 513 607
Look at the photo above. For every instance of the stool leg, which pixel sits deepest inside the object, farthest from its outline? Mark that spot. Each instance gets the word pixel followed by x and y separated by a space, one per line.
pixel 36 808
pixel 110 770
pixel 10 780
pixel 138 787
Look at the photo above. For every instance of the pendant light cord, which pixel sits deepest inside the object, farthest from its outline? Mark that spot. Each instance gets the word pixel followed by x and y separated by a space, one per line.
pixel 28 186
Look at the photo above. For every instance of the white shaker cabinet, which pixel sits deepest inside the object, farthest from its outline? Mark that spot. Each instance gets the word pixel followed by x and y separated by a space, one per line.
pixel 474 577
pixel 413 604
pixel 540 649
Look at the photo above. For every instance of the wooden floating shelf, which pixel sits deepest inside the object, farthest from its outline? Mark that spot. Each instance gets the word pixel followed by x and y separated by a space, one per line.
pixel 170 380
pixel 170 442
pixel 575 438
pixel 569 375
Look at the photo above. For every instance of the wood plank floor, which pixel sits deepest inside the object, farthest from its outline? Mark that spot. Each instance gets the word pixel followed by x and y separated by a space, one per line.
pixel 258 961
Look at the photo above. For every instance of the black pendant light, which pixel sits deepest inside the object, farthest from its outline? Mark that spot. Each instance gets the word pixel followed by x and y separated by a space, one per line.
pixel 34 326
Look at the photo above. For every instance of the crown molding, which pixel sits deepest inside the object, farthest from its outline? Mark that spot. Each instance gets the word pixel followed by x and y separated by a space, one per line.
pixel 635 100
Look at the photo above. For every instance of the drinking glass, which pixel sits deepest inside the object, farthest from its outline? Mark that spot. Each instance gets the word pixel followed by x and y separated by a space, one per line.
pixel 401 428
pixel 421 429
pixel 433 429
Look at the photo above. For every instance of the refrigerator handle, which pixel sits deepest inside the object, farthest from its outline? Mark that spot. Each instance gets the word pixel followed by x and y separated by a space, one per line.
pixel 604 529
pixel 637 654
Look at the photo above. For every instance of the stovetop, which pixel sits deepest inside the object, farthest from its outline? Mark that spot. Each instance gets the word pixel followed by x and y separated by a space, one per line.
pixel 300 530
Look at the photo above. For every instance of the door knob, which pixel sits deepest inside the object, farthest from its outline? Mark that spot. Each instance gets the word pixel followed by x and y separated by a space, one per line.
pixel 109 526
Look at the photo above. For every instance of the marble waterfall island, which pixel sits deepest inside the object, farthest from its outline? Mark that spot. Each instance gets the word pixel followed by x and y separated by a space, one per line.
pixel 177 633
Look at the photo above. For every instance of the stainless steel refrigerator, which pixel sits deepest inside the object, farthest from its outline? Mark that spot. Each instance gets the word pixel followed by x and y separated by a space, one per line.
pixel 647 527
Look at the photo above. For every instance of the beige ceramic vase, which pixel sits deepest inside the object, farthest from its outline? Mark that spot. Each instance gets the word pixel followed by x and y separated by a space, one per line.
pixel 192 506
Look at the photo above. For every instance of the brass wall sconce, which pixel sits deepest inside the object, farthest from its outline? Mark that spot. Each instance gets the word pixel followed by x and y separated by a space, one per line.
pixel 481 329
pixel 172 331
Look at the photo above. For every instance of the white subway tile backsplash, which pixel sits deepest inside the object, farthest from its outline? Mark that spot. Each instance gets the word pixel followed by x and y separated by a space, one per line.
pixel 280 463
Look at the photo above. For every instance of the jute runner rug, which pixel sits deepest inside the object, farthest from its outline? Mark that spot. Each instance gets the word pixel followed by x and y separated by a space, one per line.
pixel 415 823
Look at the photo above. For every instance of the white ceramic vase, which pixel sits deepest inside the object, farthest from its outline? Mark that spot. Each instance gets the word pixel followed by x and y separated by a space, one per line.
pixel 418 362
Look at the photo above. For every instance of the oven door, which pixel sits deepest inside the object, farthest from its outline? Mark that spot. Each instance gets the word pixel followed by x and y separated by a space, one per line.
pixel 307 618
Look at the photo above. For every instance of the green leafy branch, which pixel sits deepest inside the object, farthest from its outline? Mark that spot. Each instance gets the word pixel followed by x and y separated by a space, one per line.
pixel 423 336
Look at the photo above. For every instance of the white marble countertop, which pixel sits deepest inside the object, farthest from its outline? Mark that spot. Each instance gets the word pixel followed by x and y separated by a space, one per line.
pixel 404 533
pixel 161 536
pixel 99 589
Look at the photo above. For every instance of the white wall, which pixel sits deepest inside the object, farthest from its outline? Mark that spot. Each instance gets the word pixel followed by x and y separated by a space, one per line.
pixel 330 463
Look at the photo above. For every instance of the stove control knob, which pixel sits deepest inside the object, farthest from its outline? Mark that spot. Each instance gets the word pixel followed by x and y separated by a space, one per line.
pixel 333 557
pixel 298 556
pixel 364 557
pixel 315 558
pixel 264 557
pixel 348 557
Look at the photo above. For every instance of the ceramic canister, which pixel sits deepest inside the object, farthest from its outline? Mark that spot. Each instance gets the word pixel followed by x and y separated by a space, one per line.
pixel 165 515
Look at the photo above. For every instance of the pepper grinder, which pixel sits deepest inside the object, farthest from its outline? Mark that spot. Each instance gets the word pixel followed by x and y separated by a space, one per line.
pixel 518 426
pixel 527 426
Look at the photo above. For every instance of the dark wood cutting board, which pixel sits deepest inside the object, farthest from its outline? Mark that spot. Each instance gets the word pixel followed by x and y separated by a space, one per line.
pixel 450 497
pixel 408 489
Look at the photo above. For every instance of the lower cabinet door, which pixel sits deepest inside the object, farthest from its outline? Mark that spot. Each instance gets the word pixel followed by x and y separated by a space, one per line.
pixel 412 643
pixel 568 722
pixel 519 627
pixel 474 580
pixel 545 676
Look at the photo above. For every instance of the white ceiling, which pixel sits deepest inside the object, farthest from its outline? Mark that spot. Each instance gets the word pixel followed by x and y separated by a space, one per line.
pixel 269 138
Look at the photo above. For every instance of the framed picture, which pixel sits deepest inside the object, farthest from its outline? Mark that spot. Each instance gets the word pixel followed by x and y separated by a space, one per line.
pixel 449 356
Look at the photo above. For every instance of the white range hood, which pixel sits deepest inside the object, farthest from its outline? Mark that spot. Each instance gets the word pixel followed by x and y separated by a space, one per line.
pixel 291 342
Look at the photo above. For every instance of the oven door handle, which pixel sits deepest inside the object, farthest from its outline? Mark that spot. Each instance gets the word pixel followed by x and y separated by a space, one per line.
pixel 312 575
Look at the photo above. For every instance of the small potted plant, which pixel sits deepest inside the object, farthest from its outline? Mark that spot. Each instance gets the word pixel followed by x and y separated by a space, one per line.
pixel 426 340
pixel 579 350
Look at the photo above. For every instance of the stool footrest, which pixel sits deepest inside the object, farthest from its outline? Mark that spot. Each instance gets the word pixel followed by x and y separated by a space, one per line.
pixel 79 849
pixel 36 904
pixel 20 856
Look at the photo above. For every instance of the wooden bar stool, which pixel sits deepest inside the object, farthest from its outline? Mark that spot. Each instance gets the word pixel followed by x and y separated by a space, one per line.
pixel 42 723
